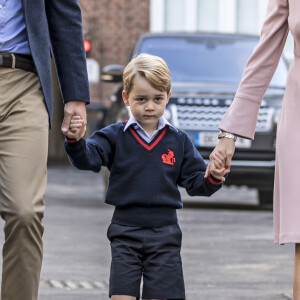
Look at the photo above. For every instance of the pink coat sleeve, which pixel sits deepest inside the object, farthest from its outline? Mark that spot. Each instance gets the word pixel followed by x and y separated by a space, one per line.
pixel 241 117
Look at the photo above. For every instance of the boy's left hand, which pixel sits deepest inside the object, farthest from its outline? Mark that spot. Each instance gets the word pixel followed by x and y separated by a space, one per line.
pixel 216 166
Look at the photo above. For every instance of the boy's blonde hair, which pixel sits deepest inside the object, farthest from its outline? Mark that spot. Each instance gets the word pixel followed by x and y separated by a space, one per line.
pixel 153 68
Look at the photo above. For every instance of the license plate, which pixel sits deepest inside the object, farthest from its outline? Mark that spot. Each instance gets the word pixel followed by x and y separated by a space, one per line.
pixel 210 139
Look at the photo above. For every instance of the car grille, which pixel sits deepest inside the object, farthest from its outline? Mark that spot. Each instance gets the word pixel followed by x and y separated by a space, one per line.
pixel 206 114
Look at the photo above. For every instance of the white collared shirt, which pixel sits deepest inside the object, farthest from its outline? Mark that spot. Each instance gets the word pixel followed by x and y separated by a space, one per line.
pixel 162 122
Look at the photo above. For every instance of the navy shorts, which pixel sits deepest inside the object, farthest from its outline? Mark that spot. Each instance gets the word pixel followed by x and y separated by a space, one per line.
pixel 148 254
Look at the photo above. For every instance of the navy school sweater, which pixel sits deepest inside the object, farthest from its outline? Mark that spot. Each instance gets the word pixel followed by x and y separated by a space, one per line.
pixel 144 178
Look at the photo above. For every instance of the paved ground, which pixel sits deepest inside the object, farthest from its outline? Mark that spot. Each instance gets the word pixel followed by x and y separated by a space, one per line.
pixel 228 253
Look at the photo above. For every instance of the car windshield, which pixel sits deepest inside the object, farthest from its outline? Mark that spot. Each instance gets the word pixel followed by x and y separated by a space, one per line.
pixel 207 59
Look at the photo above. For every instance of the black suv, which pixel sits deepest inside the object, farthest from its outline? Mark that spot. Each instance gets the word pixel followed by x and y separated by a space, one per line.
pixel 206 70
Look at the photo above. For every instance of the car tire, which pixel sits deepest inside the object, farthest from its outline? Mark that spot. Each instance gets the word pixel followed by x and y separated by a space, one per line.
pixel 265 197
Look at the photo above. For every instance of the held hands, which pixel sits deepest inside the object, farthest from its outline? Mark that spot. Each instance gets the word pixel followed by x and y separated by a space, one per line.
pixel 78 109
pixel 227 146
pixel 220 159
pixel 216 166
pixel 76 129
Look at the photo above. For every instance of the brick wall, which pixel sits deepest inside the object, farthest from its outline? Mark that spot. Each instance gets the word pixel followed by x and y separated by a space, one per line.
pixel 112 26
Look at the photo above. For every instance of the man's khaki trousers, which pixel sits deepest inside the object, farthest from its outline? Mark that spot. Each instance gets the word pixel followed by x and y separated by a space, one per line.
pixel 23 176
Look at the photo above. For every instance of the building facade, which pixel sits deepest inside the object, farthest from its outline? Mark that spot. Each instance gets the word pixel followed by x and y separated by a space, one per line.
pixel 230 16
pixel 112 26
pixel 233 16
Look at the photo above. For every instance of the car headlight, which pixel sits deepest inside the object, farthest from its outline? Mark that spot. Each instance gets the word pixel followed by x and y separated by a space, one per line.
pixel 168 114
pixel 276 115
pixel 113 98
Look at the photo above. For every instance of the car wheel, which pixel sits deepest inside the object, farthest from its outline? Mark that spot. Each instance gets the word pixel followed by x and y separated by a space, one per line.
pixel 265 197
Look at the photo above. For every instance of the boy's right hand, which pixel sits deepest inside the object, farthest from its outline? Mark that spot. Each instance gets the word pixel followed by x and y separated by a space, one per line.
pixel 77 128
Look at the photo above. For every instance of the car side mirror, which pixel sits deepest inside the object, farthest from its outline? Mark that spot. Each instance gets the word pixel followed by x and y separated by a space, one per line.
pixel 112 73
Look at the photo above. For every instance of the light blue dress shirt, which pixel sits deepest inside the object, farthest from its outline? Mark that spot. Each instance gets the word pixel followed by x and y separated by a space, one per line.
pixel 13 36
pixel 162 122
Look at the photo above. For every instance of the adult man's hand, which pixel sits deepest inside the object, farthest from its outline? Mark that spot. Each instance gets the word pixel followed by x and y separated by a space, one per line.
pixel 73 108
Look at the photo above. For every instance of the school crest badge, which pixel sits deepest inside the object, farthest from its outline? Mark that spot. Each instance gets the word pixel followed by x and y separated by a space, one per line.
pixel 169 158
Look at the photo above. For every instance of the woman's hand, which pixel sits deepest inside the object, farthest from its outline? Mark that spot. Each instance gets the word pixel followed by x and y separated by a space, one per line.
pixel 216 166
pixel 226 147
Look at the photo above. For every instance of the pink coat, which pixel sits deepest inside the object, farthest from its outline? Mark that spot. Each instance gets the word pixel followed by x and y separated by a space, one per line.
pixel 241 117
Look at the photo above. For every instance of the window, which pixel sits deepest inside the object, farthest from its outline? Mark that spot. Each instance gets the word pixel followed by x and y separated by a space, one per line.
pixel 241 16
pixel 208 15
pixel 207 58
pixel 175 15
pixel 248 16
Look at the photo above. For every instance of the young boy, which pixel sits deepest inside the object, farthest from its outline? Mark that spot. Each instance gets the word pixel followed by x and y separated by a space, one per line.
pixel 148 159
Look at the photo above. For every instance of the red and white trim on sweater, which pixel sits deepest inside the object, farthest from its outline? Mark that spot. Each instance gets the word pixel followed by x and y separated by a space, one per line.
pixel 213 181
pixel 71 141
pixel 149 148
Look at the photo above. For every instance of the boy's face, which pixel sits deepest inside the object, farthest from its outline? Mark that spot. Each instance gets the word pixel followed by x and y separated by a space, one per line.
pixel 147 104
